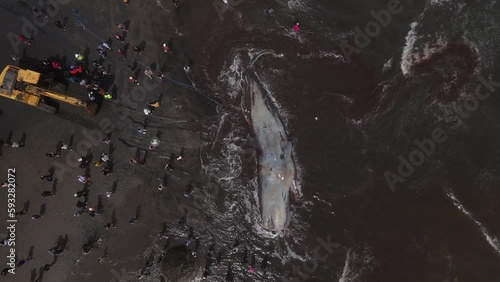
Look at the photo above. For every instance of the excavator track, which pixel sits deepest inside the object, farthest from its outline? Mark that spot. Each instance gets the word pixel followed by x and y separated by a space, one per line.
pixel 47 108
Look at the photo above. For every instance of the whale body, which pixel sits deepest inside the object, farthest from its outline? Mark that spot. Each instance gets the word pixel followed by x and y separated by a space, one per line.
pixel 276 165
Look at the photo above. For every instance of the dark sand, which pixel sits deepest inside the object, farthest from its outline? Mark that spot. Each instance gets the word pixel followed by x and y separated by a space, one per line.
pixel 179 123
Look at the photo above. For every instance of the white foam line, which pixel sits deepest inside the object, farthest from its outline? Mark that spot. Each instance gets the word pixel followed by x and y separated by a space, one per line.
pixel 158 2
pixel 293 254
pixel 406 56
pixel 387 65
pixel 492 241
pixel 233 76
pixel 221 122
pixel 347 268
pixel 439 2
pixel 322 54
pixel 298 5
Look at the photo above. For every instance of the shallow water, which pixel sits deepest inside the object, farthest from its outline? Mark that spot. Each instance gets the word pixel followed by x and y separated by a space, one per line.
pixel 349 122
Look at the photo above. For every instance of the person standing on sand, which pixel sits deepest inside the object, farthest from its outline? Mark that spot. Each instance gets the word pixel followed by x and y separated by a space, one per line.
pixel 20 213
pixel 101 52
pixel 188 191
pixel 82 179
pixel 81 204
pixel 55 65
pixel 79 194
pixel 104 157
pixel 60 25
pixel 148 73
pixel 141 130
pixel 162 186
pixel 244 256
pixel 154 104
pixel 160 75
pixel 24 40
pixel 264 264
pixel 21 262
pixel 30 255
pixel 105 170
pixel 16 145
pixel 120 38
pixel 47 177
pixel 122 27
pixel 170 164
pixel 166 48
pixel 269 11
pixel 182 220
pixel 132 79
pixel 252 264
pixel 296 27
pixel 83 162
pixel 101 259
pixel 65 146
pixel 48 194
pixel 105 45
pixel 181 154
pixel 107 225
pixel 134 160
pixel 79 213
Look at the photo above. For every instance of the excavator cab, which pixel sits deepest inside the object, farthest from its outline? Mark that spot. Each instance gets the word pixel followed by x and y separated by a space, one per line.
pixel 8 82
pixel 30 87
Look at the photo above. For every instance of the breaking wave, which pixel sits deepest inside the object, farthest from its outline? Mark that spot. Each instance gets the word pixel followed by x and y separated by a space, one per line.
pixel 492 240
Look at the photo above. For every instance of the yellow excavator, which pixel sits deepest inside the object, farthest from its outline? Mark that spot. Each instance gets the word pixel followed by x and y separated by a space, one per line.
pixel 30 87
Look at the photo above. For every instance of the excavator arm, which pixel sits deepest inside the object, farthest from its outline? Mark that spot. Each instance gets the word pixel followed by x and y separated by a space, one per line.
pixel 24 86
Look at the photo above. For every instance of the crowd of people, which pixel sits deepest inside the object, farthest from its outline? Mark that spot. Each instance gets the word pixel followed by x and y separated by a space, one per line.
pixel 91 76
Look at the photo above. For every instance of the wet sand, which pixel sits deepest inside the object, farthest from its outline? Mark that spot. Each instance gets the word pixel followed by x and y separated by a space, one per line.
pixel 178 122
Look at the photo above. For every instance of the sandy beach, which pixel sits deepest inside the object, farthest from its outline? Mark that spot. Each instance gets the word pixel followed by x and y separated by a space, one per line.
pixel 178 123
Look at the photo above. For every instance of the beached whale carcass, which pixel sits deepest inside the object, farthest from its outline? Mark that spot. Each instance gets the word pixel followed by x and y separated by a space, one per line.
pixel 276 165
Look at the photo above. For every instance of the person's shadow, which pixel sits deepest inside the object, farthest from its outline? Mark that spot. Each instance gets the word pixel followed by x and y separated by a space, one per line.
pixel 43 209
pixel 41 273
pixel 22 141
pixel 138 211
pixel 33 274
pixel 26 206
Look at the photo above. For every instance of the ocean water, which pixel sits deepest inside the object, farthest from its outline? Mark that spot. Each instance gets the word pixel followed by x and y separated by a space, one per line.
pixel 351 120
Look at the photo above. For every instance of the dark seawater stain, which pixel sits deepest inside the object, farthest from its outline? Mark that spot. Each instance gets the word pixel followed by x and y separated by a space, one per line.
pixel 449 70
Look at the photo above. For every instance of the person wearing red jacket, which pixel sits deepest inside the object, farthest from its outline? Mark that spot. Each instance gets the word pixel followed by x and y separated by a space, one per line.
pixel 55 65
